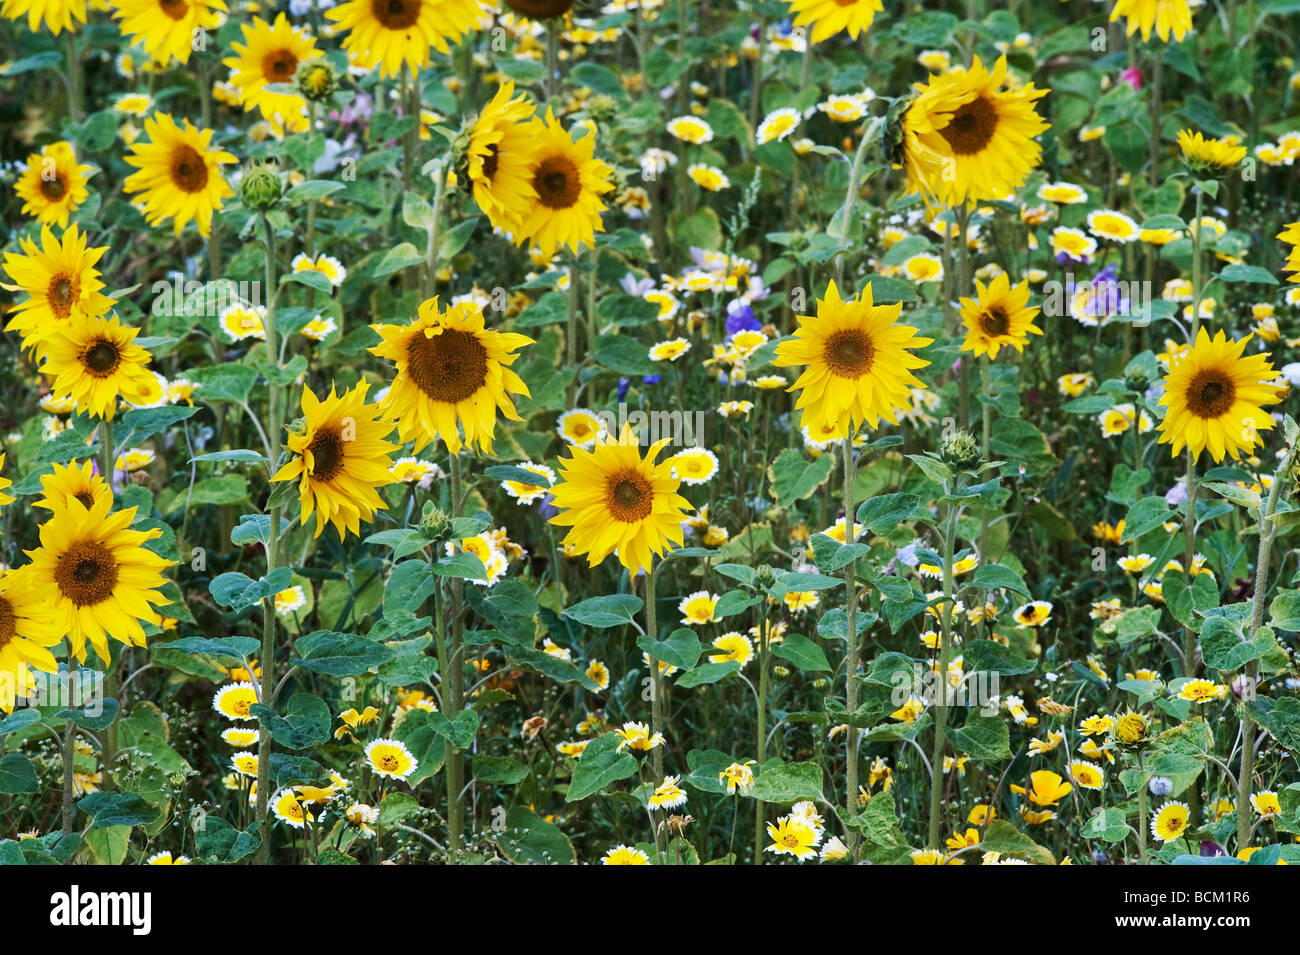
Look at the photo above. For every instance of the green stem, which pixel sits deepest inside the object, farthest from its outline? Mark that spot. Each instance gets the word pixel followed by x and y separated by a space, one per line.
pixel 941 703
pixel 656 698
pixel 108 748
pixel 69 751
pixel 454 693
pixel 431 254
pixel 851 657
pixel 764 671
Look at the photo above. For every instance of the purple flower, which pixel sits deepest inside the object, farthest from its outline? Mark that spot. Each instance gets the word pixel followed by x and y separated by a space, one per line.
pixel 623 385
pixel 740 318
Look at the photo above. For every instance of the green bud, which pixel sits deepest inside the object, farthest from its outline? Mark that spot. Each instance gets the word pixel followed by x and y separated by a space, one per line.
pixel 260 187
pixel 316 79
pixel 960 449
pixel 434 521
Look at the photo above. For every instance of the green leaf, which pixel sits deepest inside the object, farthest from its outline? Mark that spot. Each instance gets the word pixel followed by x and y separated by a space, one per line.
pixel 884 512
pixel 499 770
pixel 306 721
pixel 996 576
pixel 217 841
pixel 118 809
pixel 1006 839
pixel 795 478
pixel 682 649
pixel 990 655
pixel 339 654
pixel 1145 516
pixel 237 591
pixel 1108 825
pixel 1248 273
pixel 530 840
pixel 1226 648
pixel 600 765
pixel 788 782
pixel 707 673
pixel 17 775
pixel 234 649
pixel 616 610
pixel 458 731
pixel 467 566
pixel 803 653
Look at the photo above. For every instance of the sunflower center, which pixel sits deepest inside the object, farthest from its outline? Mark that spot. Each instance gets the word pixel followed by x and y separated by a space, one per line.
pixel 971 127
pixel 86 573
pixel 995 322
pixel 101 359
pixel 279 65
pixel 176 9
pixel 449 367
pixel 491 161
pixel 54 188
pixel 396 14
pixel 628 496
pixel 327 455
pixel 62 290
pixel 189 171
pixel 1210 394
pixel 557 183
pixel 86 498
pixel 849 353
pixel 8 625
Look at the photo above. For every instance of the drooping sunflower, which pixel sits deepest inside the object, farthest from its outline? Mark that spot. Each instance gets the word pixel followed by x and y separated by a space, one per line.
pixel 999 317
pixel 966 138
pixel 1214 395
pixel 501 153
pixel 61 283
pixel 340 457
pixel 97 576
pixel 179 173
pixel 389 33
pixel 1291 236
pixel 57 15
pixel 452 373
pixel 165 28
pixel 74 481
pixel 829 17
pixel 53 184
pixel 1212 157
pixel 859 367
pixel 27 629
pixel 1165 16
pixel 617 502
pixel 269 55
pixel 94 361
pixel 569 181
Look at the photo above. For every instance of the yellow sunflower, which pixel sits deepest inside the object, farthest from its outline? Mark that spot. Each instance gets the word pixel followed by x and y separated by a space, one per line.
pixel 616 501
pixel 340 457
pixel 166 28
pixel 390 33
pixel 829 17
pixel 451 370
pixel 52 185
pixel 179 173
pixel 569 181
pixel 97 576
pixel 999 317
pixel 94 361
pixel 967 138
pixel 1166 16
pixel 270 55
pixel 1209 156
pixel 859 366
pixel 27 629
pixel 1214 395
pixel 57 15
pixel 61 283
pixel 501 153
pixel 77 482
pixel 1291 236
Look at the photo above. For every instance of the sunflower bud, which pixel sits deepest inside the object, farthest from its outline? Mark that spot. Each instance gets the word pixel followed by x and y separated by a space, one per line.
pixel 316 79
pixel 960 449
pixel 434 522
pixel 259 187
pixel 602 108
pixel 1132 731
pixel 764 574
pixel 460 151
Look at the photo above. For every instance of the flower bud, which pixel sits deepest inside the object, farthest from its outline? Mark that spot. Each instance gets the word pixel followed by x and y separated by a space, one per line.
pixel 316 79
pixel 960 449
pixel 260 187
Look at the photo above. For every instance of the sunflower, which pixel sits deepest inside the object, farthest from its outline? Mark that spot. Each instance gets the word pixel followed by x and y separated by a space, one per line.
pixel 618 502
pixel 270 55
pixel 96 360
pixel 1166 16
pixel 179 173
pixel 568 181
pixel 1209 156
pixel 998 317
pixel 829 17
pixel 340 457
pixel 968 139
pixel 1214 395
pixel 77 482
pixel 57 15
pixel 61 282
pixel 27 630
pixel 393 33
pixel 500 154
pixel 97 576
pixel 1291 236
pixel 859 366
pixel 166 28
pixel 451 370
pixel 52 185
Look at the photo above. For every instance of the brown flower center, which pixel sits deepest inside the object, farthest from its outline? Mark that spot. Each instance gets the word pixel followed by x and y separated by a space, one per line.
pixel 849 353
pixel 326 455
pixel 557 182
pixel 8 623
pixel 995 322
pixel 102 358
pixel 628 496
pixel 63 289
pixel 279 66
pixel 396 14
pixel 448 367
pixel 176 9
pixel 971 127
pixel 491 161
pixel 86 573
pixel 189 171
pixel 1210 394
pixel 86 498
pixel 55 188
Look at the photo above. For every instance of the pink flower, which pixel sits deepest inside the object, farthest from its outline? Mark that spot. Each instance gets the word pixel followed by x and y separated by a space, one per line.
pixel 1133 77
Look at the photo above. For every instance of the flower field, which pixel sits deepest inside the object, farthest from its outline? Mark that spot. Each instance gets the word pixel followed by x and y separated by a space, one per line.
pixel 649 432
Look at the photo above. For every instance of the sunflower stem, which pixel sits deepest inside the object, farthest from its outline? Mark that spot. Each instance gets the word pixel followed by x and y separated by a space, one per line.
pixel 108 747
pixel 69 751
pixel 1189 526
pixel 454 692
pixel 74 76
pixel 764 669
pixel 851 657
pixel 431 253
pixel 941 702
pixel 1142 815
pixel 850 194
pixel 656 698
